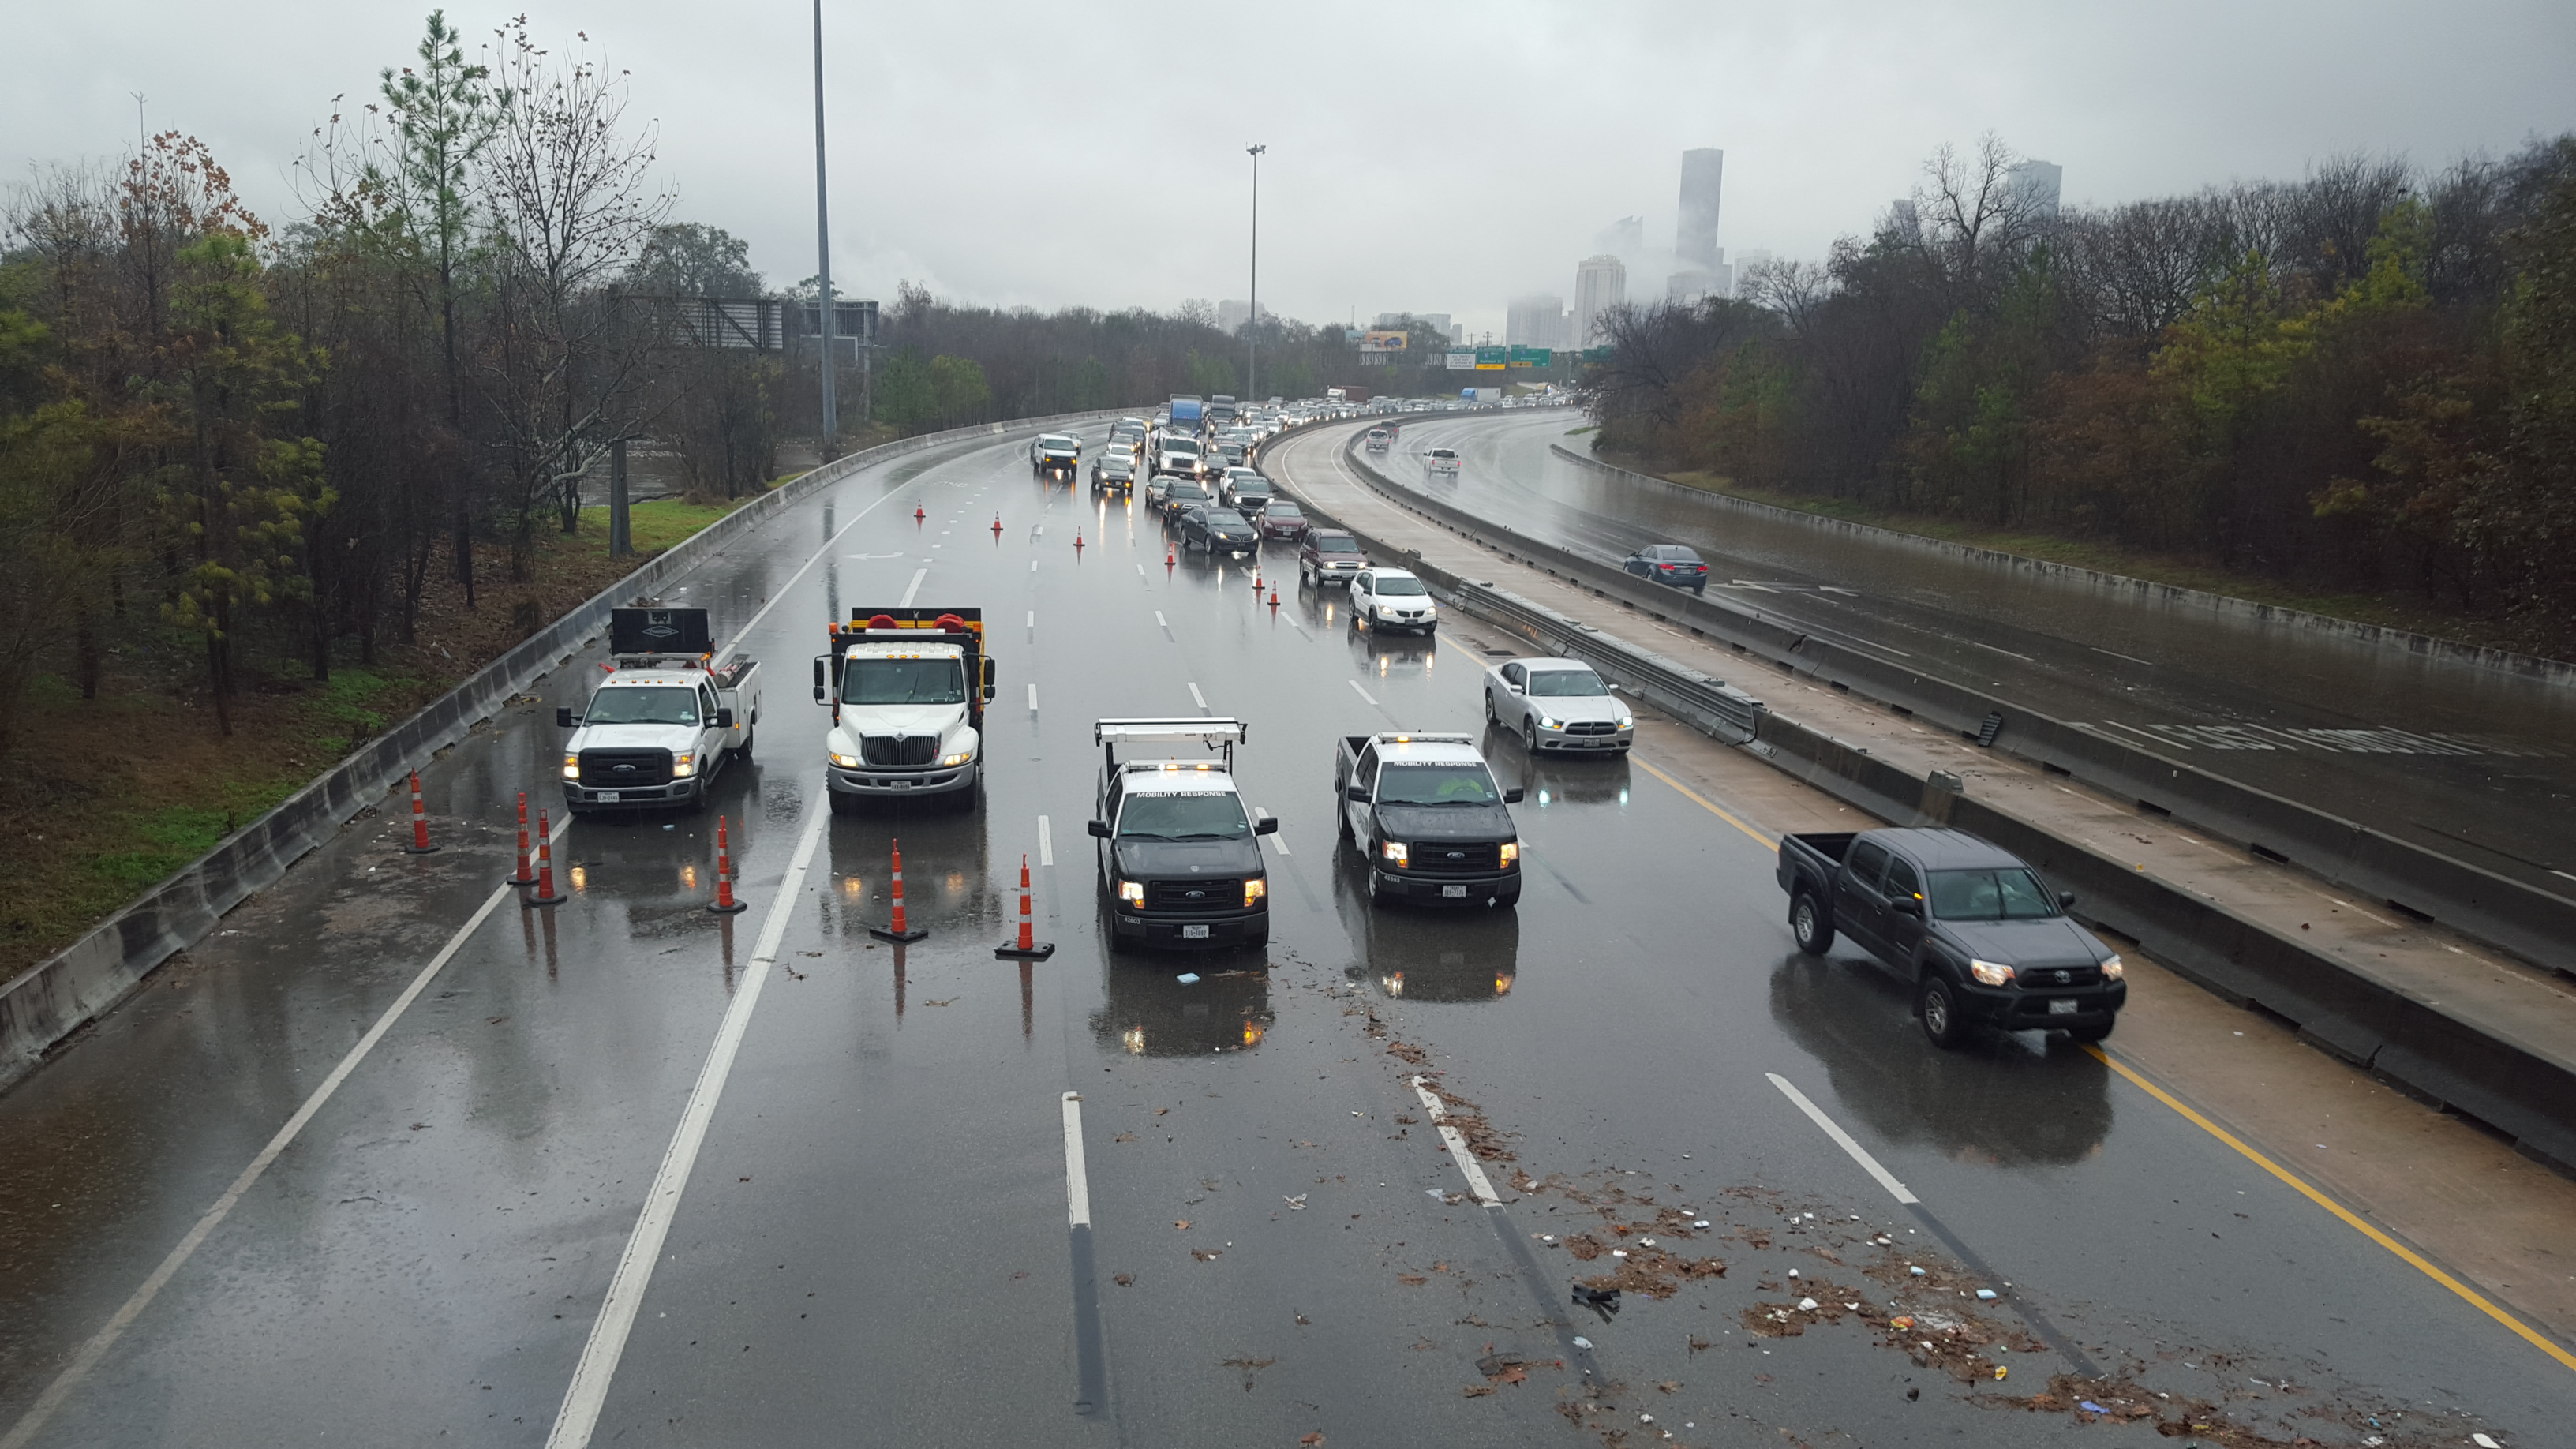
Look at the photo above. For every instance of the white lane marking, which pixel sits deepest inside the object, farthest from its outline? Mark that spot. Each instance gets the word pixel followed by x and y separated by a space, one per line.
pixel 1033 618
pixel 87 1359
pixel 1477 1183
pixel 588 1392
pixel 780 595
pixel 2116 654
pixel 1159 620
pixel 913 589
pixel 1749 584
pixel 1260 814
pixel 1046 843
pixel 1140 571
pixel 1077 1176
pixel 1033 565
pixel 1033 699
pixel 1195 696
pixel 1362 693
pixel 1842 1139
pixel 1831 589
pixel 1999 649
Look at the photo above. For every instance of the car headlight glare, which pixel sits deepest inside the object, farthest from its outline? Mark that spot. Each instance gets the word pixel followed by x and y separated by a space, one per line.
pixel 1254 891
pixel 1627 722
pixel 1393 850
pixel 683 766
pixel 572 767
pixel 2112 969
pixel 1989 973
pixel 846 762
pixel 1132 892
pixel 1548 724
pixel 1511 852
pixel 959 758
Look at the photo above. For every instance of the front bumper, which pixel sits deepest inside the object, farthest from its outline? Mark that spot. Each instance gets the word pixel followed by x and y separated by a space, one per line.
pixel 1377 625
pixel 2028 1008
pixel 865 781
pixel 1501 888
pixel 643 797
pixel 1572 744
pixel 1222 928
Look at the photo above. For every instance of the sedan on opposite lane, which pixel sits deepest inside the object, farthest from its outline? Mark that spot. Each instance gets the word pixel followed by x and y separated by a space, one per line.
pixel 1669 563
pixel 1558 704
pixel 1218 529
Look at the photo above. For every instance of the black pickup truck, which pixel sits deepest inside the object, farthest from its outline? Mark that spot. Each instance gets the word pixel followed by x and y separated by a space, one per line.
pixel 1427 819
pixel 1976 930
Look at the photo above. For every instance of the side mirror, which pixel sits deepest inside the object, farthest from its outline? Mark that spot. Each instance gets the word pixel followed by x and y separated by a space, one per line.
pixel 1100 829
pixel 2066 900
pixel 822 679
pixel 724 719
pixel 1906 906
pixel 1356 794
pixel 1513 795
pixel 1266 825
pixel 564 718
pixel 989 673
pixel 1514 688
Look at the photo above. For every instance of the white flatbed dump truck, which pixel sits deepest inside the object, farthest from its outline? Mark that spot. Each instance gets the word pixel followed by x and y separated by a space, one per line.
pixel 907 688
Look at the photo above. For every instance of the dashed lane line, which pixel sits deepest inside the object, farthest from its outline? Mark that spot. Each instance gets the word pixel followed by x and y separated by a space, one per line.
pixel 1362 693
pixel 913 590
pixel 1033 699
pixel 588 1393
pixel 1478 1184
pixel 1842 1139
pixel 1197 698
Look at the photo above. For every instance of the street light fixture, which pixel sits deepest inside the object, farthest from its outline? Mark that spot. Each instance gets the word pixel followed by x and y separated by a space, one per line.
pixel 1252 326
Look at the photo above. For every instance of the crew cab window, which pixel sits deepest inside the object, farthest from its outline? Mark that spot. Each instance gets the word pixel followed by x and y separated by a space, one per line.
pixel 1187 815
pixel 1442 784
pixel 2009 894
pixel 1866 863
pixel 903 681
pixel 706 702
pixel 1557 682
pixel 648 704
pixel 1902 882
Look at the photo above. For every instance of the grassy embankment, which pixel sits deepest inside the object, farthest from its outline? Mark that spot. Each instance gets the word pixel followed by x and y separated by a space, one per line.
pixel 137 782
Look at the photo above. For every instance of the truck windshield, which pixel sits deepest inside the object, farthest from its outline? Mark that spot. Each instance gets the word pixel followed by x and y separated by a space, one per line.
pixel 1429 784
pixel 1326 543
pixel 903 681
pixel 1195 815
pixel 1990 895
pixel 1058 445
pixel 648 704
pixel 1552 682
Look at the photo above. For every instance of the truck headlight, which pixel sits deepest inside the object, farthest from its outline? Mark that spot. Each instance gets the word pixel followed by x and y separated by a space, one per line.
pixel 1393 850
pixel 846 762
pixel 1254 891
pixel 959 758
pixel 2112 970
pixel 572 767
pixel 1989 973
pixel 1132 892
pixel 683 765
pixel 1511 852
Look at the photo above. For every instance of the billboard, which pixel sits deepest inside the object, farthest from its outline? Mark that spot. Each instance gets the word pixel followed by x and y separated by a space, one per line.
pixel 1387 340
pixel 1462 359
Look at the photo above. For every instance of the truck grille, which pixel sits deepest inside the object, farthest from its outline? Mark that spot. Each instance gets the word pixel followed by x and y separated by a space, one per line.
pixel 898 750
pixel 2044 978
pixel 1456 859
pixel 1195 895
pixel 615 769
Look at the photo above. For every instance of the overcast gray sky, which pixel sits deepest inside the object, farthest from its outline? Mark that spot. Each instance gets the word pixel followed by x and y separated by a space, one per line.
pixel 1424 157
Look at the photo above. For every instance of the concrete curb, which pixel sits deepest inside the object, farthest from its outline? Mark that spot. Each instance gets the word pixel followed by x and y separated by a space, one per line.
pixel 2402 641
pixel 2519 1088
pixel 67 991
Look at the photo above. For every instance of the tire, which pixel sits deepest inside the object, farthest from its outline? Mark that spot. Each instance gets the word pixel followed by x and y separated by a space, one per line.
pixel 1808 922
pixel 2091 1034
pixel 1377 892
pixel 1938 1009
pixel 842 804
pixel 1341 819
pixel 743 751
pixel 1491 718
pixel 1529 736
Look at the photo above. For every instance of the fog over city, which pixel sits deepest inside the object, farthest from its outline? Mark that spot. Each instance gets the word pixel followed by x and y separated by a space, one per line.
pixel 1424 158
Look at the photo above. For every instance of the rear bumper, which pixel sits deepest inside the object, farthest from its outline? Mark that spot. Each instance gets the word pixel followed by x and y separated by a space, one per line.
pixel 1502 888
pixel 2027 1008
pixel 1223 928
pixel 902 782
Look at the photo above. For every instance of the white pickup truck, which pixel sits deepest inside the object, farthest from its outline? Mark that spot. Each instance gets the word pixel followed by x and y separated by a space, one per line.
pixel 907 689
pixel 663 722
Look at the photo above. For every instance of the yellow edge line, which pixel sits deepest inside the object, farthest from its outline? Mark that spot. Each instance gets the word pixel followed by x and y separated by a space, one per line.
pixel 2412 1258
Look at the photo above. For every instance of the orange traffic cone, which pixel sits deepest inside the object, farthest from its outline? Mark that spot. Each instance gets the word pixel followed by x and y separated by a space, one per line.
pixel 545 895
pixel 419 822
pixel 918 515
pixel 1274 598
pixel 997 523
pixel 1077 540
pixel 724 904
pixel 523 876
pixel 1028 948
pixel 899 931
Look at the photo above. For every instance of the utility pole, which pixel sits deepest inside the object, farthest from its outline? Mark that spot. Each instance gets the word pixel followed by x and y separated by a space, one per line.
pixel 823 249
pixel 1252 327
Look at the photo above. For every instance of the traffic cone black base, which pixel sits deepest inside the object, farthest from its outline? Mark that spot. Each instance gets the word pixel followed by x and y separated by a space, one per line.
pixel 882 934
pixel 1014 951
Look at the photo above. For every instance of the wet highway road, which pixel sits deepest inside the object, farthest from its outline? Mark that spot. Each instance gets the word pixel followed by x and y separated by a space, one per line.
pixel 857 1158
pixel 2466 761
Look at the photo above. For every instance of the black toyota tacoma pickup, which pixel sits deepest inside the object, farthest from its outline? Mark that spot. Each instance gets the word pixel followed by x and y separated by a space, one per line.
pixel 1974 928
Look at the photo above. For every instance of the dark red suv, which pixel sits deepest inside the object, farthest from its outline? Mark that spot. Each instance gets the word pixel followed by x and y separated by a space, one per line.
pixel 1282 519
pixel 1329 556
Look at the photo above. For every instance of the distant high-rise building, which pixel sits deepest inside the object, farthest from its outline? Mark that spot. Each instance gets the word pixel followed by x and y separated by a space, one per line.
pixel 1901 217
pixel 1436 321
pixel 1749 258
pixel 1535 322
pixel 1233 313
pixel 1687 287
pixel 1457 333
pixel 1695 236
pixel 2037 182
pixel 1624 238
pixel 1600 283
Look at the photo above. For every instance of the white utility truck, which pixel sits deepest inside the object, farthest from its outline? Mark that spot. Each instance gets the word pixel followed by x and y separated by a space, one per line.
pixel 663 722
pixel 907 689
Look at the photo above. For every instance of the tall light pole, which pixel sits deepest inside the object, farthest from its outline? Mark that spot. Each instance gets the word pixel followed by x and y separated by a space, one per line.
pixel 1252 327
pixel 823 251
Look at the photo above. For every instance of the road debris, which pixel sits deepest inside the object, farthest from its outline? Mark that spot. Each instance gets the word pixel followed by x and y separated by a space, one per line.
pixel 1296 1204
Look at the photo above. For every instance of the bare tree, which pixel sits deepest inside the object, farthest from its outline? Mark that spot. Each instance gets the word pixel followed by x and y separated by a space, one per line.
pixel 1975 218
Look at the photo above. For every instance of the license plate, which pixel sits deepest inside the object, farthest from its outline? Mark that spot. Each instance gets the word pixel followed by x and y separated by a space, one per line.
pixel 1194 933
pixel 607 797
pixel 1455 893
pixel 2063 1008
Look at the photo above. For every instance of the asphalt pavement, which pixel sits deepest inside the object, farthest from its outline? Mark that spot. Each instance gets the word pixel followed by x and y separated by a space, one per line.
pixel 2468 761
pixel 397 1159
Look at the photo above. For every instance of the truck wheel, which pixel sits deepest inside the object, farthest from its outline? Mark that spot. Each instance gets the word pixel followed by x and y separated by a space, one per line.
pixel 1378 893
pixel 1807 922
pixel 842 804
pixel 1939 1013
pixel 2092 1033
pixel 743 751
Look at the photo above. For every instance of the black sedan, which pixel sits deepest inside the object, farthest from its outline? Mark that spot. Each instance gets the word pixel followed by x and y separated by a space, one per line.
pixel 1670 563
pixel 1218 530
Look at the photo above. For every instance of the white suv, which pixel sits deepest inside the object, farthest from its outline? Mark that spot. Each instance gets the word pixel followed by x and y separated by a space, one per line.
pixel 1391 601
